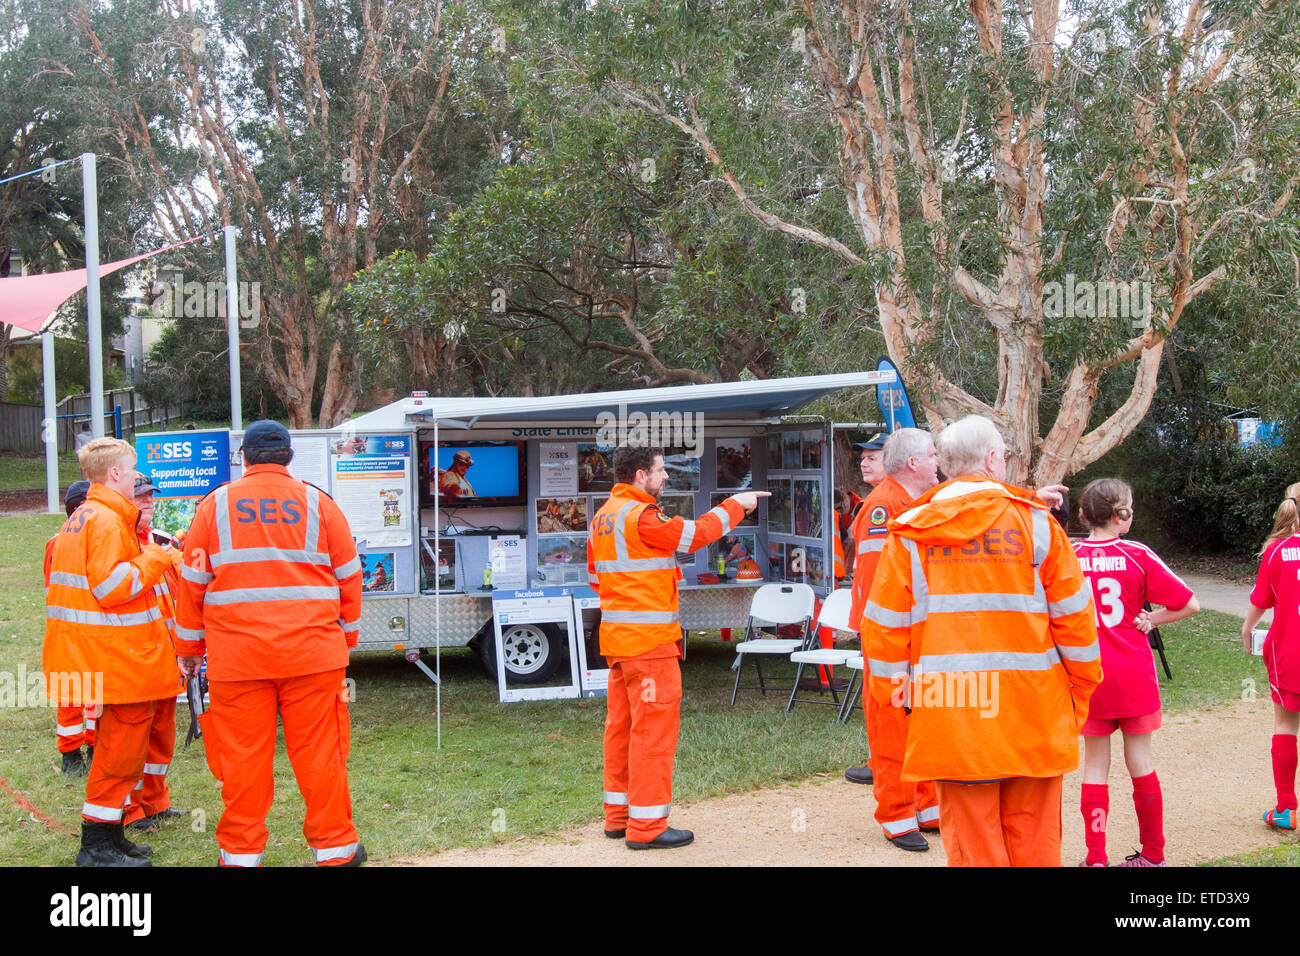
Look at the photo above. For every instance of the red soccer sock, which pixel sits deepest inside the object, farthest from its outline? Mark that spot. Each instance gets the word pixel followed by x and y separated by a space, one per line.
pixel 1095 804
pixel 1149 803
pixel 1284 764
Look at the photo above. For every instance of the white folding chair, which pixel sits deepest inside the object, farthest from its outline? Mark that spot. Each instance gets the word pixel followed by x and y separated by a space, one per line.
pixel 834 614
pixel 773 604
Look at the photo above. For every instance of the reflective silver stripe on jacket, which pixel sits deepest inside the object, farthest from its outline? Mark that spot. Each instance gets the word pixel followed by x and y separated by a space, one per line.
pixel 649 813
pixel 313 517
pixel 347 570
pixel 635 564
pixel 102 619
pixel 248 595
pixel 1089 652
pixel 189 634
pixel 116 577
pixel 194 575
pixel 240 859
pixel 886 669
pixel 222 511
pixel 639 617
pixel 1042 535
pixel 249 555
pixel 988 661
pixel 620 539
pixel 351 628
pixel 885 617
pixel 69 730
pixel 920 586
pixel 871 545
pixel 1073 604
pixel 64 579
pixel 157 769
pixel 616 799
pixel 722 515
pixel 336 852
pixel 987 601
pixel 688 535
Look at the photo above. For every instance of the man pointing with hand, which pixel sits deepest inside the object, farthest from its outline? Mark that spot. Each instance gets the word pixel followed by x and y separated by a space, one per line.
pixel 630 564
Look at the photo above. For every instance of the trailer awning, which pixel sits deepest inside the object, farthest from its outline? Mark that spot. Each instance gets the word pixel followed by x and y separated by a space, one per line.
pixel 758 399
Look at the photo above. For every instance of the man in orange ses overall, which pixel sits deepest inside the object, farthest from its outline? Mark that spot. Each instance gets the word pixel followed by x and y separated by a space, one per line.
pixel 873 474
pixel 981 623
pixel 903 809
pixel 271 589
pixel 73 726
pixel 105 642
pixel 150 803
pixel 631 566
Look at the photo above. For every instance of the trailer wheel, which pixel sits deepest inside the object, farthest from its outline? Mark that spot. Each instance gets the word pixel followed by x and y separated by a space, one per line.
pixel 533 652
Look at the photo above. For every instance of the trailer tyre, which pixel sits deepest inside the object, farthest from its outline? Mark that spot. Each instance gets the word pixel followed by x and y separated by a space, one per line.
pixel 533 652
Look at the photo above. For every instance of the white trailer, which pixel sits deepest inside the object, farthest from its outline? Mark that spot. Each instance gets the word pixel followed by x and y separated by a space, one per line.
pixel 430 593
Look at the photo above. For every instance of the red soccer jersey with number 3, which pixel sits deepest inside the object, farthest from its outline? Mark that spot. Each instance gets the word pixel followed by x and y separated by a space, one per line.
pixel 1124 574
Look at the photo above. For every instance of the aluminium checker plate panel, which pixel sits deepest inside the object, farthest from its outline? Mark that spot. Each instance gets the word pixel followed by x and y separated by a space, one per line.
pixel 703 609
pixel 462 616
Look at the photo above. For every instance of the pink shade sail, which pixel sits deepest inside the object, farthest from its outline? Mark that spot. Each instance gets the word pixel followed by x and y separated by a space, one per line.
pixel 29 301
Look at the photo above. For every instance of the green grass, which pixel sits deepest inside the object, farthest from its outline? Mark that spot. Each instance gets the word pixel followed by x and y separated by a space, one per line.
pixel 533 766
pixel 537 763
pixel 28 473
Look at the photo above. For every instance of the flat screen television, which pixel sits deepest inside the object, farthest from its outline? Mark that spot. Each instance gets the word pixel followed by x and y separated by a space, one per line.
pixel 484 474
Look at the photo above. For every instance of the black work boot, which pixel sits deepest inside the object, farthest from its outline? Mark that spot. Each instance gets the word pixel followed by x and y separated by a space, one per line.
pixel 99 849
pixel 73 764
pixel 137 850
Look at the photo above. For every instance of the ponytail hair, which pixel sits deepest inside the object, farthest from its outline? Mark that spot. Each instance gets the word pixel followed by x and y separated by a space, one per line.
pixel 1286 521
pixel 1104 500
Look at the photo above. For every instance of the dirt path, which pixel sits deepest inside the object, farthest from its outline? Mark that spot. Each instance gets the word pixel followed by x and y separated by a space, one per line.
pixel 1214 769
pixel 1219 594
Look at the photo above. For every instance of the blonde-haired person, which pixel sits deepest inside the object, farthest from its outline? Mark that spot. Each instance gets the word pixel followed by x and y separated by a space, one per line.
pixel 1124 576
pixel 1278 586
pixel 105 642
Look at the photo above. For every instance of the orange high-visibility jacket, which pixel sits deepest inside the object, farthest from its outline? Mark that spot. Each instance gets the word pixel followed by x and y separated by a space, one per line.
pixel 168 587
pixel 271 581
pixel 101 616
pixel 886 501
pixel 839 546
pixel 630 564
pixel 981 621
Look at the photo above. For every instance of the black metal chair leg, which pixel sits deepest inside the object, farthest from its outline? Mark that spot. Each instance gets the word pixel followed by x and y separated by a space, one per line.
pixel 762 687
pixel 740 666
pixel 794 690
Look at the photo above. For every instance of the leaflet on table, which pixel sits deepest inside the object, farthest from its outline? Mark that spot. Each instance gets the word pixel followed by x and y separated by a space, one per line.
pixel 559 469
pixel 509 562
pixel 372 484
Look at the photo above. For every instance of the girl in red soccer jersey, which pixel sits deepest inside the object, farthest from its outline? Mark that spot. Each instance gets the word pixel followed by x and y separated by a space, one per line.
pixel 1124 575
pixel 1278 586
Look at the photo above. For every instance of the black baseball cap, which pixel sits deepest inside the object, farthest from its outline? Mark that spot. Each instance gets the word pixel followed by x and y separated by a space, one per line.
pixel 266 434
pixel 874 443
pixel 75 495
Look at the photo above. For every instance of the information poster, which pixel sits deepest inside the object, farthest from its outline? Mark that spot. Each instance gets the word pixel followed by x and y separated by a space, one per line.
pixel 373 488
pixel 594 669
pixel 511 609
pixel 509 563
pixel 310 459
pixel 559 469
pixel 183 467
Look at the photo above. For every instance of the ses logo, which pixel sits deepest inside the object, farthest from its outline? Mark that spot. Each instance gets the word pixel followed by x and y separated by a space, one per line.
pixel 170 451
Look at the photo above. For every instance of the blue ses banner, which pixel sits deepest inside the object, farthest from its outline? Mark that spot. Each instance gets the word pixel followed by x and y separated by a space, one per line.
pixel 185 464
pixel 895 409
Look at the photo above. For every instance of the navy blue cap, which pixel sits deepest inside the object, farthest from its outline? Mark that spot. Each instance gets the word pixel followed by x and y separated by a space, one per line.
pixel 75 495
pixel 874 443
pixel 266 434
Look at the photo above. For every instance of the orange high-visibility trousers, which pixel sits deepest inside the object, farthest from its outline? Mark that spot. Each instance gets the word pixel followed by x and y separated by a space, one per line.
pixel 1013 822
pixel 120 754
pixel 151 795
pixel 901 806
pixel 317 733
pixel 74 726
pixel 641 724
